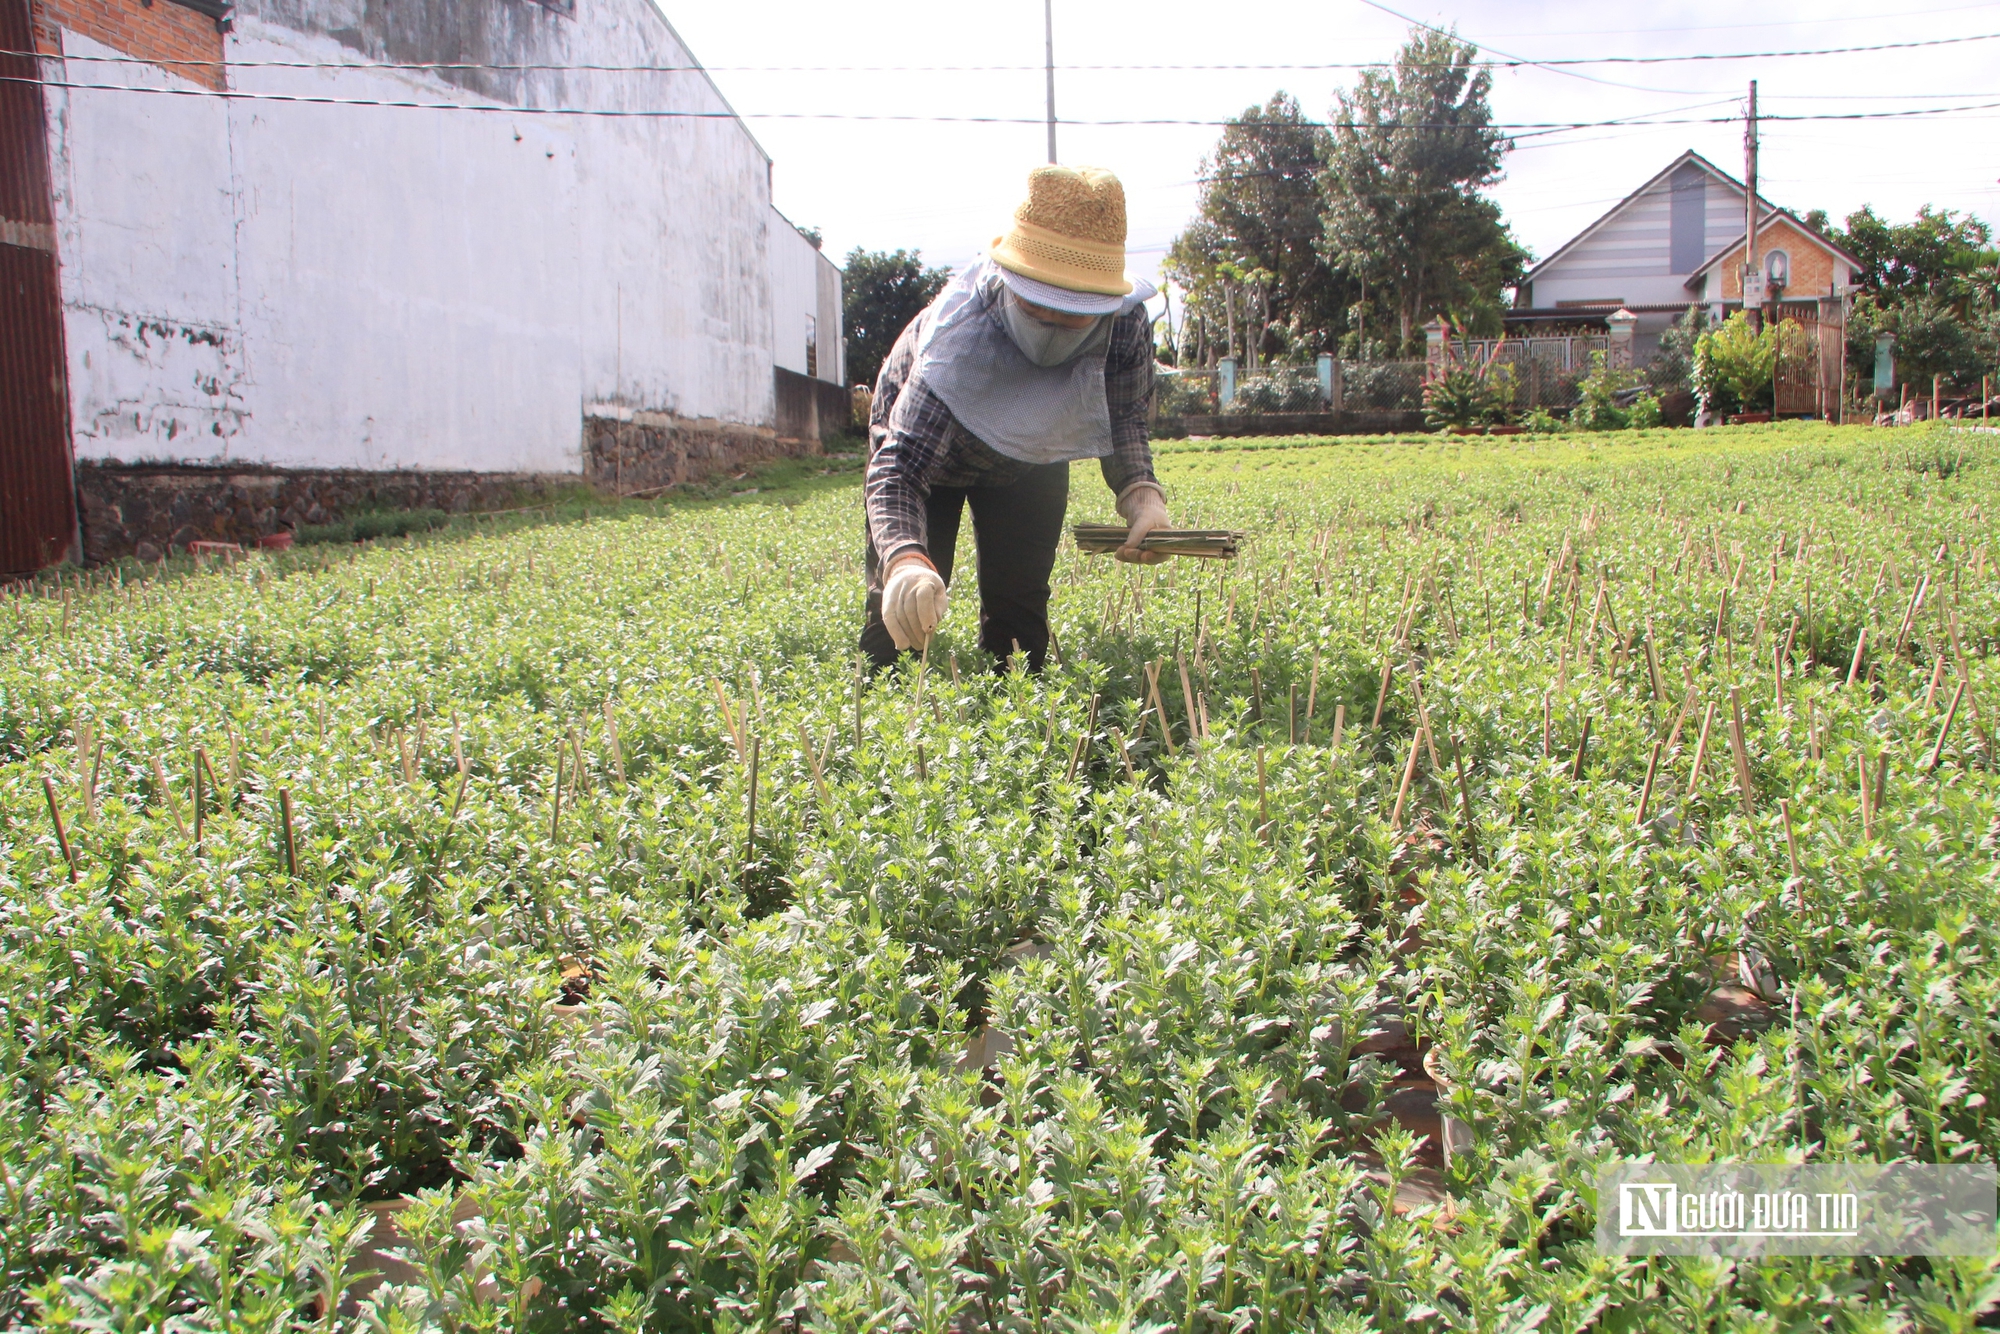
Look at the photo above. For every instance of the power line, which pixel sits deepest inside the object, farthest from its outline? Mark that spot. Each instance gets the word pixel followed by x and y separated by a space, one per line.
pixel 652 113
pixel 1506 62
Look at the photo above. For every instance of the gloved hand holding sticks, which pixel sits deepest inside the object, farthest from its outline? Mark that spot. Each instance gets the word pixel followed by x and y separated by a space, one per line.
pixel 913 600
pixel 1143 505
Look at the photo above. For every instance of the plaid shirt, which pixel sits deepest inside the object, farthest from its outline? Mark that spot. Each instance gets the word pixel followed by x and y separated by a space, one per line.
pixel 937 451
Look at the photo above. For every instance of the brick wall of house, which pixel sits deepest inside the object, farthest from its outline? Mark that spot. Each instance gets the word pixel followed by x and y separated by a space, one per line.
pixel 171 36
pixel 1813 265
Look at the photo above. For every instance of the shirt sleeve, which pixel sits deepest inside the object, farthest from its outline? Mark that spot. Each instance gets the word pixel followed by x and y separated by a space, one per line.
pixel 906 450
pixel 1128 388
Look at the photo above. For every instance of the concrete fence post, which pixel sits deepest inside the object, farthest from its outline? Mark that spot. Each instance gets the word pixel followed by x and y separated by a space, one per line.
pixel 1225 382
pixel 1885 365
pixel 1621 323
pixel 1437 353
pixel 1324 363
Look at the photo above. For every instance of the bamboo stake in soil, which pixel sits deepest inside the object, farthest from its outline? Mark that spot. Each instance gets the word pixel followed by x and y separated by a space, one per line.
pixel 1860 651
pixel 1339 725
pixel 291 846
pixel 1195 728
pixel 1701 750
pixel 1937 750
pixel 1382 692
pixel 167 796
pixel 1403 790
pixel 1646 788
pixel 1160 708
pixel 812 762
pixel 1867 798
pixel 1464 795
pixel 610 739
pixel 555 808
pixel 1582 750
pixel 860 661
pixel 1742 753
pixel 750 814
pixel 62 835
pixel 1791 843
pixel 1263 805
pixel 197 801
pixel 1312 697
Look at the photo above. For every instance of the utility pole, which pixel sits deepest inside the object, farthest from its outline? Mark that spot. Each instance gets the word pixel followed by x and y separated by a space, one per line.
pixel 1754 312
pixel 1049 54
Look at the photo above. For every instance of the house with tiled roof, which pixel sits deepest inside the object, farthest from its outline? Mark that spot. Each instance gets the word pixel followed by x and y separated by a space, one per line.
pixel 1675 241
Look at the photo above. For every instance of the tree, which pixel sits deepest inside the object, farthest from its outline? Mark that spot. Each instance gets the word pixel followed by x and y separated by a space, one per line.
pixel 1411 150
pixel 1250 259
pixel 882 291
pixel 1933 283
pixel 1942 255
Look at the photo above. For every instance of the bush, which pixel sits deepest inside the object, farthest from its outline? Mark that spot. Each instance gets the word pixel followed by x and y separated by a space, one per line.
pixel 1540 421
pixel 373 524
pixel 1180 394
pixel 1281 389
pixel 1599 408
pixel 1470 396
pixel 1734 367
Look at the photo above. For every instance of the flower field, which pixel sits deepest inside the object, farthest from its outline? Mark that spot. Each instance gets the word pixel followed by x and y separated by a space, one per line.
pixel 555 921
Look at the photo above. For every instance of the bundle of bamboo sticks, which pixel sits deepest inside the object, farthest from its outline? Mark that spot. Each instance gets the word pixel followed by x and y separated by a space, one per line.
pixel 1209 543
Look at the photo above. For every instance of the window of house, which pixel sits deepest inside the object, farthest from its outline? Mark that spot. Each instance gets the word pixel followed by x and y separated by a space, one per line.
pixel 812 347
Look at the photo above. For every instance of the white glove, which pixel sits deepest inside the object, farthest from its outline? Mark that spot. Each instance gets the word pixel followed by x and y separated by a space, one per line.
pixel 1144 506
pixel 913 601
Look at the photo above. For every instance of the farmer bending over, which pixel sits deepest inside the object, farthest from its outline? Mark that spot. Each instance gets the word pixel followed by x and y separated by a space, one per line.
pixel 1038 354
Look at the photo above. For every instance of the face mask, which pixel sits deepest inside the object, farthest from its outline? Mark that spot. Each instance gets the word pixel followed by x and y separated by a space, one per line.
pixel 1045 344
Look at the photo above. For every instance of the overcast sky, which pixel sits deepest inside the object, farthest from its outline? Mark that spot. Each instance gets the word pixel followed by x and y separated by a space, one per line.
pixel 947 188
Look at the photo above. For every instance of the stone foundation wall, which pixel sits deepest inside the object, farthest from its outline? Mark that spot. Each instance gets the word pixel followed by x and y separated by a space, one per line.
pixel 650 451
pixel 147 509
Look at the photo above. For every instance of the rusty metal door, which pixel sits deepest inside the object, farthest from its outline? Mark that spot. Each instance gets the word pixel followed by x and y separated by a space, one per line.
pixel 37 507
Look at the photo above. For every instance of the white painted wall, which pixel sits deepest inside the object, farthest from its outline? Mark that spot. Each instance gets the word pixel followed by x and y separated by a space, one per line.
pixel 376 287
pixel 804 283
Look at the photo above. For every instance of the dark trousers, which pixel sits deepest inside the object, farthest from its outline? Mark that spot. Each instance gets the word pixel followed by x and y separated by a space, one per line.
pixel 1015 530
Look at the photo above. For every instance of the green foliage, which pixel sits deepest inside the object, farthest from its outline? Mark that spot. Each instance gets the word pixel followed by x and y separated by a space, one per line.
pixel 881 292
pixel 1412 148
pixel 373 524
pixel 630 1061
pixel 1644 414
pixel 1735 365
pixel 1470 396
pixel 1182 395
pixel 1259 209
pixel 1943 255
pixel 1934 284
pixel 1281 389
pixel 1538 420
pixel 1598 408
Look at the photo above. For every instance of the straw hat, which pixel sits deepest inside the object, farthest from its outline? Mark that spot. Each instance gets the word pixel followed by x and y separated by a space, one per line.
pixel 1066 246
